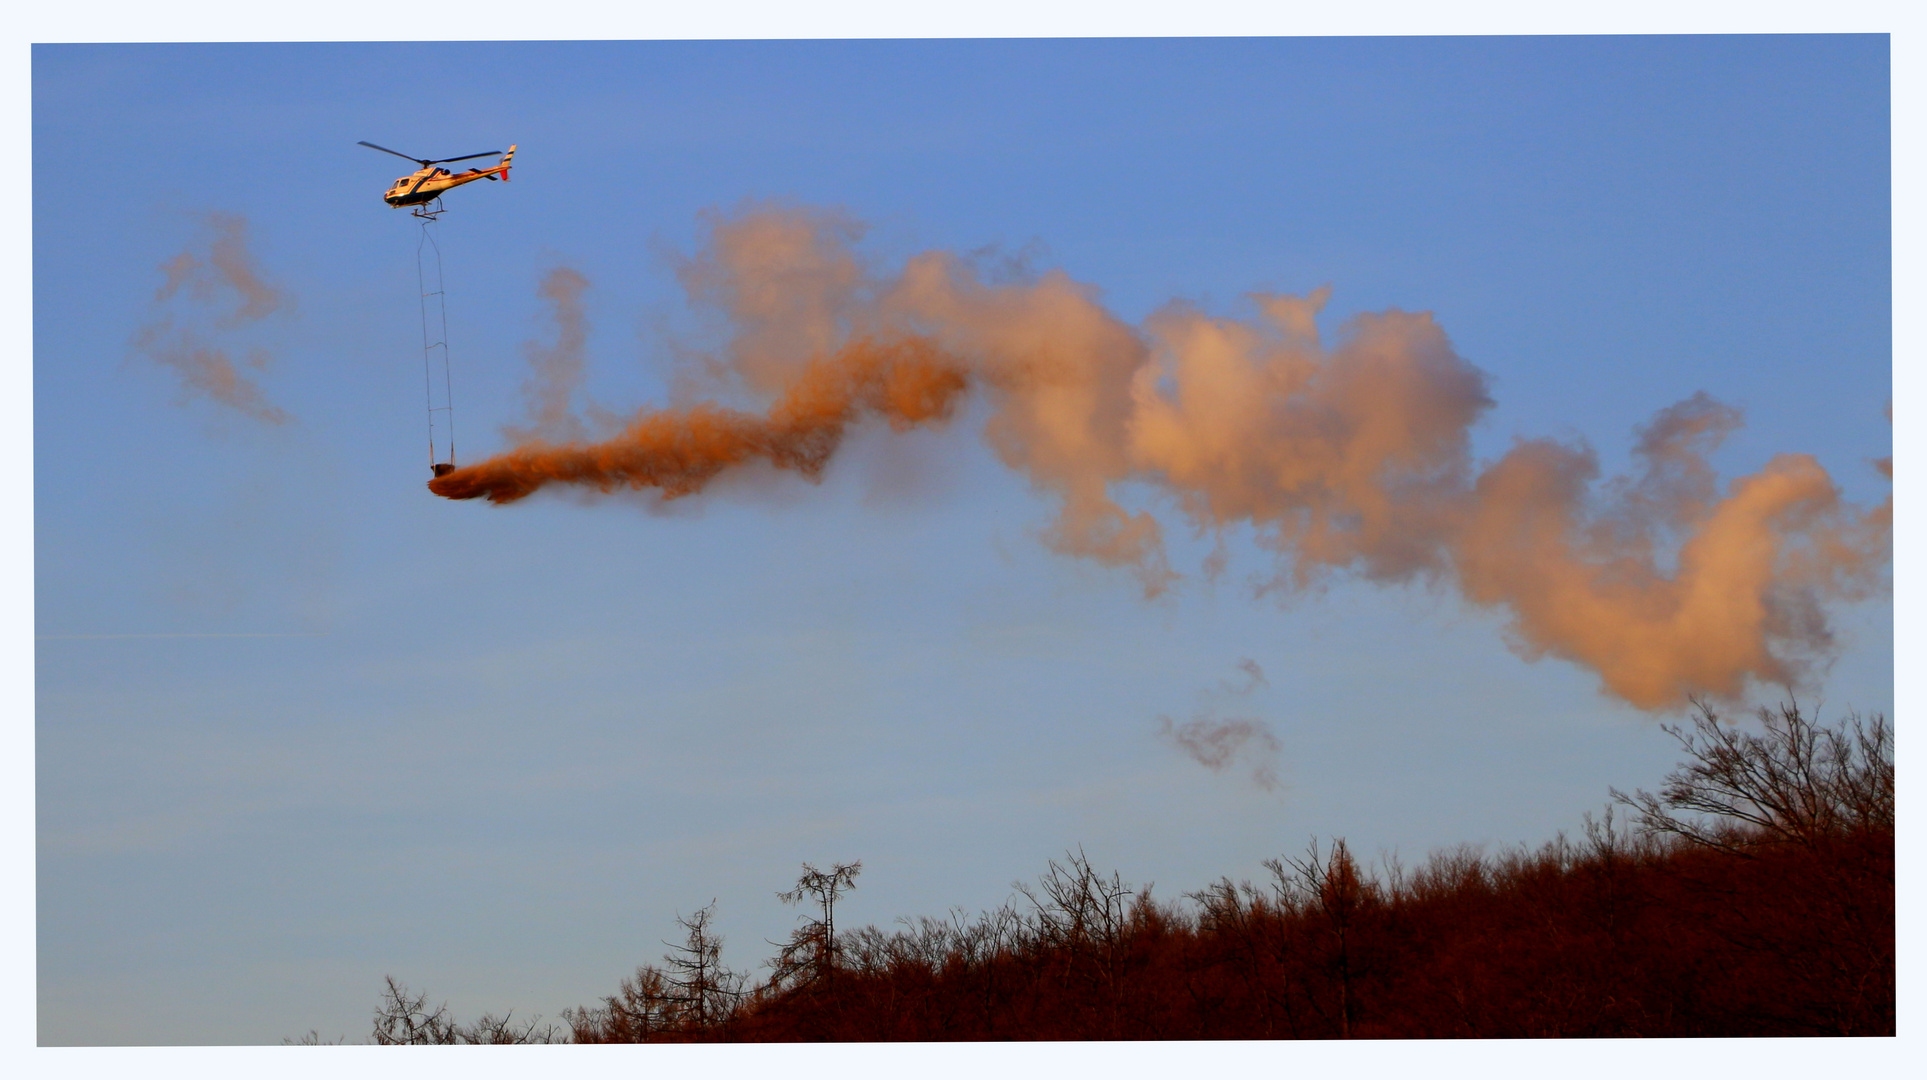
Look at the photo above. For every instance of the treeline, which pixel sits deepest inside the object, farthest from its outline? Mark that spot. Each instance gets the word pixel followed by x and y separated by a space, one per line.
pixel 1752 895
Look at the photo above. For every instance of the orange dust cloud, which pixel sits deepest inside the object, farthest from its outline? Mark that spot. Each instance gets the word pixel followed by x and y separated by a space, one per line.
pixel 556 371
pixel 179 339
pixel 679 451
pixel 1347 456
pixel 1214 743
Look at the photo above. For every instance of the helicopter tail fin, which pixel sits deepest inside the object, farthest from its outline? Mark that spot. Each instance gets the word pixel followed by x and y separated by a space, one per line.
pixel 506 158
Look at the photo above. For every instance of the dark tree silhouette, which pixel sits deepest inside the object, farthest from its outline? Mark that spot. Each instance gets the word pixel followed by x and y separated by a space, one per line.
pixel 697 997
pixel 404 1019
pixel 706 992
pixel 1332 891
pixel 810 954
pixel 1796 782
pixel 1754 897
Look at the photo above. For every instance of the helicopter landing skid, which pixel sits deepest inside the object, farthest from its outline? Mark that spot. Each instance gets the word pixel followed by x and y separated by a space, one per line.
pixel 429 210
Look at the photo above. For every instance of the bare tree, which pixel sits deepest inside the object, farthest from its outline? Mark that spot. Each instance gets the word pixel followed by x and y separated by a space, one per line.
pixel 1086 916
pixel 641 1009
pixel 1332 887
pixel 692 996
pixel 404 1019
pixel 706 991
pixel 1249 932
pixel 492 1030
pixel 313 1038
pixel 811 951
pixel 1077 907
pixel 1794 783
pixel 1824 795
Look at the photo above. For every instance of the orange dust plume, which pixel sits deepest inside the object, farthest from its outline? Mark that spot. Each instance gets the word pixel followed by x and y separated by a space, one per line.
pixel 1215 743
pixel 678 451
pixel 556 371
pixel 1345 453
pixel 194 290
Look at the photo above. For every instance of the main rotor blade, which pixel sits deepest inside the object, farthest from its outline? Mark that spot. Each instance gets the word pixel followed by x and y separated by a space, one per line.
pixel 397 153
pixel 464 157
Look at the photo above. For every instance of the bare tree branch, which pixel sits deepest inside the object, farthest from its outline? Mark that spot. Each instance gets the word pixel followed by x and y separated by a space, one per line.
pixel 1796 782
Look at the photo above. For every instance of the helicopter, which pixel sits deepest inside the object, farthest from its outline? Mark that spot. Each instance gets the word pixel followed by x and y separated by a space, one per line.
pixel 427 183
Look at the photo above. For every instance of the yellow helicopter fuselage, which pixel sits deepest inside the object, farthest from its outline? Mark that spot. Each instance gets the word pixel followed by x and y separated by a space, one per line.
pixel 427 184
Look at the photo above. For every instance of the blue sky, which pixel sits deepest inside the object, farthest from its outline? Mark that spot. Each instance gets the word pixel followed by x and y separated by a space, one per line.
pixel 299 724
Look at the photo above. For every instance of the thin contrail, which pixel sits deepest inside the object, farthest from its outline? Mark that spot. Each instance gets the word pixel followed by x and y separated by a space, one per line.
pixel 114 637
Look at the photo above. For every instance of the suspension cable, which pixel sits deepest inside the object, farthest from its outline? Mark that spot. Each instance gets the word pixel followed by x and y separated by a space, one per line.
pixel 434 307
